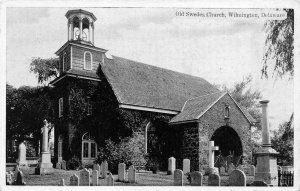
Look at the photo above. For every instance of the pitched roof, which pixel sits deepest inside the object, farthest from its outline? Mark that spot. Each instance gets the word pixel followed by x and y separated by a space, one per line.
pixel 195 107
pixel 139 84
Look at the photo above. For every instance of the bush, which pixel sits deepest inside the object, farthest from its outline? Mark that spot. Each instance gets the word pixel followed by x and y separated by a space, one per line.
pixel 74 163
pixel 129 151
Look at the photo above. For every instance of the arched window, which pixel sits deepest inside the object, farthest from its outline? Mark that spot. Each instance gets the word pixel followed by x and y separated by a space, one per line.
pixel 151 139
pixel 89 149
pixel 88 61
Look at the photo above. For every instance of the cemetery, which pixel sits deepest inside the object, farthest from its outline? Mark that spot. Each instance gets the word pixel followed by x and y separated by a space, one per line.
pixel 119 122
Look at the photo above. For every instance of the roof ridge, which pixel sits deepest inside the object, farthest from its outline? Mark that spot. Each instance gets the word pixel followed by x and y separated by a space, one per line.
pixel 160 68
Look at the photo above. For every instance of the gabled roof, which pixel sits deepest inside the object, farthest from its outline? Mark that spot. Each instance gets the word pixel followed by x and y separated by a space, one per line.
pixel 139 84
pixel 194 108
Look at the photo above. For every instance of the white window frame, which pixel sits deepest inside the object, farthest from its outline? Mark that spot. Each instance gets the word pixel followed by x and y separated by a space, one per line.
pixel 87 139
pixel 60 107
pixel 84 65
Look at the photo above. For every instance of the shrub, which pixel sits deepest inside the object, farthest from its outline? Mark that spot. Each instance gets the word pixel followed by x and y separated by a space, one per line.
pixel 129 151
pixel 74 163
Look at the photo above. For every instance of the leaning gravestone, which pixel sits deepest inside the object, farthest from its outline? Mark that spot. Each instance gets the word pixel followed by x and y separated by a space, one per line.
pixel 230 168
pixel 178 177
pixel 104 169
pixel 20 179
pixel 121 172
pixel 252 170
pixel 22 155
pixel 61 182
pixel 84 179
pixel 110 180
pixel 95 177
pixel 237 178
pixel 196 178
pixel 63 165
pixel 186 166
pixel 213 180
pixel 222 170
pixel 74 180
pixel 132 174
pixel 171 165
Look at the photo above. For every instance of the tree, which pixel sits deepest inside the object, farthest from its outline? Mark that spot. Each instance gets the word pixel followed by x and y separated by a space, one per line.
pixel 283 142
pixel 279 46
pixel 45 69
pixel 26 109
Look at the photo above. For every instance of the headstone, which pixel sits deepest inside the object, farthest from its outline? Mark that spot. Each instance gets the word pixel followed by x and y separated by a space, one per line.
pixel 91 171
pixel 95 177
pixel 110 180
pixel 171 165
pixel 20 178
pixel 230 168
pixel 8 178
pixel 84 177
pixel 58 165
pixel 132 174
pixel 121 172
pixel 237 178
pixel 222 171
pixel 213 180
pixel 104 169
pixel 12 176
pixel 178 177
pixel 186 166
pixel 97 167
pixel 252 170
pixel 61 182
pixel 63 165
pixel 45 159
pixel 74 180
pixel 196 178
pixel 258 183
pixel 22 155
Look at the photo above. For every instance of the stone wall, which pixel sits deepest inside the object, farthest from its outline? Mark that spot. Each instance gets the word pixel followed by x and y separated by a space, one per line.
pixel 214 119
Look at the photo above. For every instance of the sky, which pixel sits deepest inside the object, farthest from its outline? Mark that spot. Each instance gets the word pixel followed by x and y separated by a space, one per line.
pixel 222 51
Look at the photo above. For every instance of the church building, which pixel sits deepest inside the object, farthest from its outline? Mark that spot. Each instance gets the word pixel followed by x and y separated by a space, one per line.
pixel 195 111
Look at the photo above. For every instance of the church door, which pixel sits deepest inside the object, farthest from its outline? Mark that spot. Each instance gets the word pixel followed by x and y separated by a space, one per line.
pixel 88 149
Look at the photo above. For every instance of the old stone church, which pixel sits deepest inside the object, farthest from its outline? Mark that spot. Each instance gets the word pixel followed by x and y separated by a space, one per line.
pixel 195 110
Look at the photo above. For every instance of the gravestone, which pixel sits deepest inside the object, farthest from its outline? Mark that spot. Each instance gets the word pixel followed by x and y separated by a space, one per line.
pixel 58 165
pixel 20 179
pixel 252 170
pixel 74 180
pixel 63 165
pixel 95 177
pixel 196 178
pixel 231 167
pixel 84 177
pixel 132 174
pixel 258 183
pixel 12 175
pixel 91 171
pixel 8 178
pixel 186 166
pixel 171 165
pixel 237 178
pixel 110 180
pixel 178 177
pixel 104 169
pixel 222 170
pixel 213 180
pixel 121 172
pixel 22 155
pixel 45 158
pixel 61 182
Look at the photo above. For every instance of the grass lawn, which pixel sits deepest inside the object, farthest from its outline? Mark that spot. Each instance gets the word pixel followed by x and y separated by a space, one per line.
pixel 143 179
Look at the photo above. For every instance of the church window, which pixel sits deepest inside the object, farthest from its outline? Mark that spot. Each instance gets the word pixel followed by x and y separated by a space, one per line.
pixel 60 107
pixel 151 139
pixel 89 148
pixel 60 142
pixel 227 111
pixel 88 60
